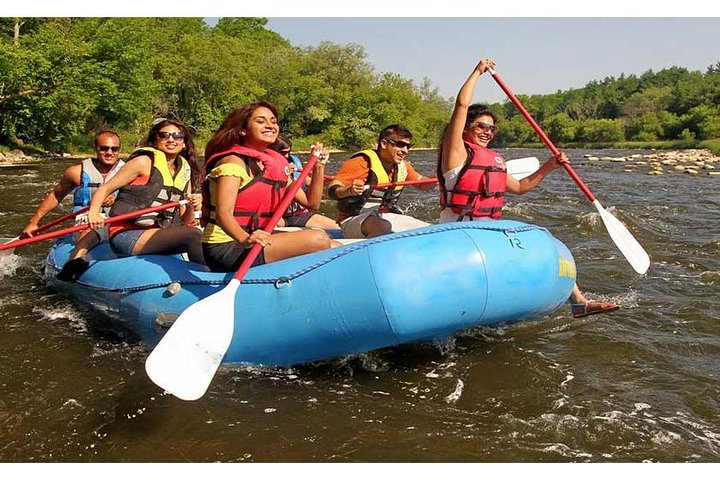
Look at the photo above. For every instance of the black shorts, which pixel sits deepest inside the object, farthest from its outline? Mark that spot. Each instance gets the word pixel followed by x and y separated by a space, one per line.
pixel 298 220
pixel 227 257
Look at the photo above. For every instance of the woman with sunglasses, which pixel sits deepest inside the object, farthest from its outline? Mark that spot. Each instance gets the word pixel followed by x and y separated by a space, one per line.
pixel 158 172
pixel 473 178
pixel 244 182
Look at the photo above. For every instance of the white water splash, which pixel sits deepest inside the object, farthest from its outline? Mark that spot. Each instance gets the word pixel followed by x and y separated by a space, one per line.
pixel 9 263
pixel 74 318
pixel 455 395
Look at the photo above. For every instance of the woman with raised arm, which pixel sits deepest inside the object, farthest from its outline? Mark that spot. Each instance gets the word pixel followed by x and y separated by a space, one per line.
pixel 473 178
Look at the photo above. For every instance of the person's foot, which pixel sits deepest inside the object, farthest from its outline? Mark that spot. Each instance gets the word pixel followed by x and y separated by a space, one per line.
pixel 73 269
pixel 592 307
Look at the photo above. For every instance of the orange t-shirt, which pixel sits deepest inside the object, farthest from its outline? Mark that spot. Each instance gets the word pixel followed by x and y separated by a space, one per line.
pixel 357 167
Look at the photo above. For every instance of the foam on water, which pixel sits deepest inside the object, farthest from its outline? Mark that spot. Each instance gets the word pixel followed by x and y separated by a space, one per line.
pixel 9 264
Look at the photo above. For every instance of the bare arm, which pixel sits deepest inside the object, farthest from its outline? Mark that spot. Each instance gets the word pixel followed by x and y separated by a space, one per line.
pixel 312 198
pixel 68 183
pixel 528 183
pixel 453 151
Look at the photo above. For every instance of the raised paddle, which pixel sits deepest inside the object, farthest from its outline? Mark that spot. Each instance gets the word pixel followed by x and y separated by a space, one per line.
pixel 58 220
pixel 633 251
pixel 185 360
pixel 86 226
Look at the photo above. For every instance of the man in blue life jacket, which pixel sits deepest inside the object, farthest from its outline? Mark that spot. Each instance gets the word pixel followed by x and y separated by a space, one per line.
pixel 82 180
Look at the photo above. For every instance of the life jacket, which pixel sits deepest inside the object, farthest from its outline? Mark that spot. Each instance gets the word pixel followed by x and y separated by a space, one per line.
pixel 480 187
pixel 160 188
pixel 90 180
pixel 257 200
pixel 386 198
pixel 295 208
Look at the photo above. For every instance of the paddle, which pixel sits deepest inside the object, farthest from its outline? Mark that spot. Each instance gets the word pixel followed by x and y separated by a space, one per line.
pixel 58 220
pixel 633 251
pixel 187 357
pixel 518 168
pixel 85 226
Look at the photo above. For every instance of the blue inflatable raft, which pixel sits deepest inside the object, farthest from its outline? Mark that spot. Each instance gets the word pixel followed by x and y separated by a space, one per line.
pixel 417 285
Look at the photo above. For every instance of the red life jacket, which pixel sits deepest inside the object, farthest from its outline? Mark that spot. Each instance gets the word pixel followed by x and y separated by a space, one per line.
pixel 256 201
pixel 480 185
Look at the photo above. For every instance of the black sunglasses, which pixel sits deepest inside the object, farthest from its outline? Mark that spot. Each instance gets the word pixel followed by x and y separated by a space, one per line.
pixel 166 135
pixel 105 148
pixel 399 143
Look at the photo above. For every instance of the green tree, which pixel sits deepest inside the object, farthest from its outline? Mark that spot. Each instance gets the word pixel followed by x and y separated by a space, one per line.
pixel 600 130
pixel 560 127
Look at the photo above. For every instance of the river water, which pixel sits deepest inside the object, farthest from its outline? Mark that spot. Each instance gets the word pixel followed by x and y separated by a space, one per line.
pixel 639 384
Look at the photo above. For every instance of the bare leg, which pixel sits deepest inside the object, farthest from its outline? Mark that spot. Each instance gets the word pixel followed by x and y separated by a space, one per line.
pixel 582 307
pixel 161 240
pixel 321 221
pixel 84 243
pixel 291 244
pixel 577 296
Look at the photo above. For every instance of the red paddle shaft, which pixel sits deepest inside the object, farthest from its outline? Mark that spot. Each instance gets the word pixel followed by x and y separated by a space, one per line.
pixel 77 228
pixel 541 134
pixel 284 204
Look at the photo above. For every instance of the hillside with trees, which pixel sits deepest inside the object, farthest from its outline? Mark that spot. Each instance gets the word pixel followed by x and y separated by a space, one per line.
pixel 61 79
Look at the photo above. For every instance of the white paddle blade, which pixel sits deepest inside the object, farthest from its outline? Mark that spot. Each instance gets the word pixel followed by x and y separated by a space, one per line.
pixel 633 251
pixel 522 167
pixel 185 360
pixel 8 251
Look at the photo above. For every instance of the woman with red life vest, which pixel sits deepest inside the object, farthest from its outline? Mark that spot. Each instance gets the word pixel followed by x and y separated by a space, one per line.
pixel 303 212
pixel 158 172
pixel 473 178
pixel 243 184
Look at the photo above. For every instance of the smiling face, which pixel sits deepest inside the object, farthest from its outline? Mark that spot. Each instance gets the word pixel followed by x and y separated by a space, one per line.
pixel 480 131
pixel 262 129
pixel 394 149
pixel 170 140
pixel 107 148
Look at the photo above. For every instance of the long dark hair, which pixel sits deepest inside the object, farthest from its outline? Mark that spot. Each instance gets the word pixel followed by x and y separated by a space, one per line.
pixel 474 111
pixel 188 153
pixel 229 132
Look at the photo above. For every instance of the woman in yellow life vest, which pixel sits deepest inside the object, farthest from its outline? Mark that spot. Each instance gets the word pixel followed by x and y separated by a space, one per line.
pixel 159 171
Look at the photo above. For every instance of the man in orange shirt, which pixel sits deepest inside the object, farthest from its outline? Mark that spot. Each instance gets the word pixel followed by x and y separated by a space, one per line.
pixel 366 212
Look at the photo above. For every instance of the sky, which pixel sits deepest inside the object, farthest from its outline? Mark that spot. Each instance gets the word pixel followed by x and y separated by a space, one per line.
pixel 533 55
pixel 539 47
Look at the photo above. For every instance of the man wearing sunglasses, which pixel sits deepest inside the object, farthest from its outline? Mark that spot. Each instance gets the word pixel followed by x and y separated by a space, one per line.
pixel 83 180
pixel 363 211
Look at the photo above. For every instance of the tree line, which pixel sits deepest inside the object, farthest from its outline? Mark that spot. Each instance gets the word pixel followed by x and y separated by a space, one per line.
pixel 62 79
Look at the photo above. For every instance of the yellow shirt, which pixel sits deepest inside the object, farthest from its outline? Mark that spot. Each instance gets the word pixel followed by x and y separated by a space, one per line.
pixel 212 232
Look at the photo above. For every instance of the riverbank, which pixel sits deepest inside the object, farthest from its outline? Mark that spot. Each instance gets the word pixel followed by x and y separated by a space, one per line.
pixel 690 161
pixel 712 145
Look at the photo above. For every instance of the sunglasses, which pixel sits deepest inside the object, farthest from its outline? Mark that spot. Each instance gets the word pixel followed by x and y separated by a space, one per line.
pixel 484 127
pixel 399 143
pixel 166 135
pixel 106 148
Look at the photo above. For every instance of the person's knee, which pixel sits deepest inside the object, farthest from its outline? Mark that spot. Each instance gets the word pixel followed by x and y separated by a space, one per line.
pixel 319 239
pixel 193 235
pixel 374 226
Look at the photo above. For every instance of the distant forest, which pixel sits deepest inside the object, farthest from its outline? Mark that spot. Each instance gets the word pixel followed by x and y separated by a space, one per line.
pixel 62 79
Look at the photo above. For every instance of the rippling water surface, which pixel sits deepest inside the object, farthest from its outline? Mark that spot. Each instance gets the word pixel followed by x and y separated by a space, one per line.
pixel 640 384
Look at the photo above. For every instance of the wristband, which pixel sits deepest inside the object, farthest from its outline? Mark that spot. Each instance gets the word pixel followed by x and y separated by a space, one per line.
pixel 332 192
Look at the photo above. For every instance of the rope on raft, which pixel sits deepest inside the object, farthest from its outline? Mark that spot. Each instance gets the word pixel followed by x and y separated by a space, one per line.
pixel 286 279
